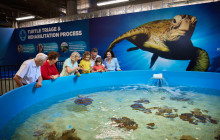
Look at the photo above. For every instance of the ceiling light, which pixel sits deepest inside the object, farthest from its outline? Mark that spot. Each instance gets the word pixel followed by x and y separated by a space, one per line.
pixel 24 18
pixel 110 2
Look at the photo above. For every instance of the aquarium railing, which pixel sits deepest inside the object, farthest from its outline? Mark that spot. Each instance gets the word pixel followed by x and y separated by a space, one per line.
pixel 7 72
pixel 6 78
pixel 59 65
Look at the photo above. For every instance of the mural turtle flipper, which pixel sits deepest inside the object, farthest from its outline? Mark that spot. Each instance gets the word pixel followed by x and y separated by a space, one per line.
pixel 169 39
pixel 132 49
pixel 200 62
pixel 130 36
pixel 153 60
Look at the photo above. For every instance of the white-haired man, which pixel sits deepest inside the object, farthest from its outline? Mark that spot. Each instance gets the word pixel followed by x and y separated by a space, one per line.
pixel 30 72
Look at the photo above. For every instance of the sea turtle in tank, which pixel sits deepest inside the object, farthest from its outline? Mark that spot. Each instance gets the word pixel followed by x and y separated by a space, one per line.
pixel 170 39
pixel 83 100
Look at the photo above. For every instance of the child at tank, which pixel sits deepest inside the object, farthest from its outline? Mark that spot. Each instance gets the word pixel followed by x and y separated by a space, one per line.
pixel 94 56
pixel 98 67
pixel 85 63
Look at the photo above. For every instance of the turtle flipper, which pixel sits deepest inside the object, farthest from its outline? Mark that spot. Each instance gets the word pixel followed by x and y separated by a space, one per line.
pixel 132 49
pixel 130 35
pixel 153 60
pixel 200 62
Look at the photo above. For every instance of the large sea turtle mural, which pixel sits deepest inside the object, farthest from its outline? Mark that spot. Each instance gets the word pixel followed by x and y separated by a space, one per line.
pixel 170 39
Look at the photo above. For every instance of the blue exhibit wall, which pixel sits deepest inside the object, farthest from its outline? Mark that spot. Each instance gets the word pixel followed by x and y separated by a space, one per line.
pixel 206 36
pixel 64 38
pixel 100 32
pixel 8 54
pixel 21 98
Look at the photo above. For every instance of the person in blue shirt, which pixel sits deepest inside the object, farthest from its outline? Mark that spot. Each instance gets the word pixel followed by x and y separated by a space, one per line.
pixel 110 62
pixel 70 66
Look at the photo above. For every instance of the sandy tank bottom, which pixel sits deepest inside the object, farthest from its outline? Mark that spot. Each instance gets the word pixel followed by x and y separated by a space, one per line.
pixel 94 121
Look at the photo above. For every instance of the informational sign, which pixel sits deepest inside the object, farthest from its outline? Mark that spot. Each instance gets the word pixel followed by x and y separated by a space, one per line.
pixel 28 48
pixel 78 46
pixel 48 47
pixel 64 38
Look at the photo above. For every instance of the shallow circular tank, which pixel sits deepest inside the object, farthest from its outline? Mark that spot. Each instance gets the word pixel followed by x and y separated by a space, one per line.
pixel 21 98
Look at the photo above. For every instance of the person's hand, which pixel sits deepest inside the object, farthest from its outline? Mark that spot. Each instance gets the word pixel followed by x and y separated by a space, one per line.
pixel 38 84
pixel 119 70
pixel 83 69
pixel 88 70
pixel 54 77
pixel 78 68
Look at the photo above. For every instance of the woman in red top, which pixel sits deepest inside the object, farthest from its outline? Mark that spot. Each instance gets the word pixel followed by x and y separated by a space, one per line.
pixel 49 70
pixel 98 66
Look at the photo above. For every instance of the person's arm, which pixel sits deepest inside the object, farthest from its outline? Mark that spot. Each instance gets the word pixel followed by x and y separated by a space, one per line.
pixel 117 65
pixel 69 70
pixel 104 63
pixel 21 73
pixel 44 73
pixel 54 76
pixel 81 65
pixel 39 82
pixel 56 73
pixel 18 80
pixel 104 69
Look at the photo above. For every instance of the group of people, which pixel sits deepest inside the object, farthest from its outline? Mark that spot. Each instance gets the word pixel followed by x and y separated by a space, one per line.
pixel 42 67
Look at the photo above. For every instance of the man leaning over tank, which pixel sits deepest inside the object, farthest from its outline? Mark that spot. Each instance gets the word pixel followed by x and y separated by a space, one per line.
pixel 94 55
pixel 30 72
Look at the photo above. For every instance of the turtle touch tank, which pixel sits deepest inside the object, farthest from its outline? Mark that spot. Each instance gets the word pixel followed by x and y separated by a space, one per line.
pixel 128 107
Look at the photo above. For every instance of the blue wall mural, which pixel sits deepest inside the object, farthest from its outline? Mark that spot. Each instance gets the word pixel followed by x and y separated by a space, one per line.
pixel 198 45
pixel 205 36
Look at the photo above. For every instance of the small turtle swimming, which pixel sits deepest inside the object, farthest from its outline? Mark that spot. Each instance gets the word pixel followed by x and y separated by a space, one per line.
pixel 83 100
pixel 170 39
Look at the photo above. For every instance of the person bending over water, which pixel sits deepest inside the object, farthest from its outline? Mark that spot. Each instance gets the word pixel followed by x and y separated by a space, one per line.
pixel 49 70
pixel 30 72
pixel 70 66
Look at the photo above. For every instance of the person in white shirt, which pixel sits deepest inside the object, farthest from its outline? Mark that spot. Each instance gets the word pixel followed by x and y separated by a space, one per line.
pixel 30 72
pixel 94 55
